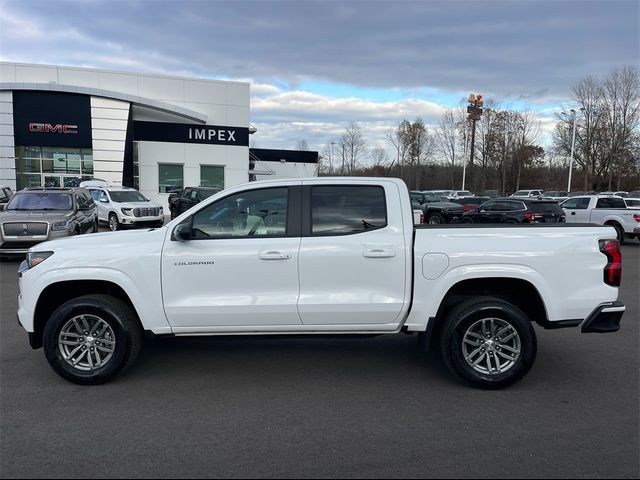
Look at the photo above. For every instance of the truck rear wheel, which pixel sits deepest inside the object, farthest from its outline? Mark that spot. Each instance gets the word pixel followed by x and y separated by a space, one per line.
pixel 91 339
pixel 488 343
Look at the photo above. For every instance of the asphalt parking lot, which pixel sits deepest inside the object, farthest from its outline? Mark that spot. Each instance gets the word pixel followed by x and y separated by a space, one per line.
pixel 376 407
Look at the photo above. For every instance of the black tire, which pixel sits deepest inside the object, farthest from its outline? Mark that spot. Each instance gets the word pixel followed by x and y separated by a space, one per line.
pixel 96 225
pixel 435 219
pixel 173 213
pixel 467 220
pixel 463 319
pixel 114 224
pixel 127 335
pixel 619 232
pixel 511 221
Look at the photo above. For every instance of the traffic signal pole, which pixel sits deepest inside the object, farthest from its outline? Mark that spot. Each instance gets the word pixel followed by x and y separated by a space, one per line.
pixel 474 109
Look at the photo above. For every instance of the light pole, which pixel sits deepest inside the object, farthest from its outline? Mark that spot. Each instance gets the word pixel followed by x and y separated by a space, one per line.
pixel 574 117
pixel 331 158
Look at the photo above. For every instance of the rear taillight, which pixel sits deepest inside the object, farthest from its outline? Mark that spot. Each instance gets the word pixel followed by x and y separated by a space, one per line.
pixel 529 217
pixel 636 217
pixel 613 270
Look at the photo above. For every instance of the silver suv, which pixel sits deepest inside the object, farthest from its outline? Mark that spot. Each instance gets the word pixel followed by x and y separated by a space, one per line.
pixel 34 215
pixel 123 206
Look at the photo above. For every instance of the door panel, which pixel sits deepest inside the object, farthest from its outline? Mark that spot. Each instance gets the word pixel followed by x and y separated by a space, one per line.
pixel 241 266
pixel 352 279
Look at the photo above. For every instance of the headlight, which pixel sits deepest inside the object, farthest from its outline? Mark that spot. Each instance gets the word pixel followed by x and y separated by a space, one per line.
pixel 59 226
pixel 160 210
pixel 36 258
pixel 127 211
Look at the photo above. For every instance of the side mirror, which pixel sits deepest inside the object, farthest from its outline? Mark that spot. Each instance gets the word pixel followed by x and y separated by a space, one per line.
pixel 104 200
pixel 483 211
pixel 2 207
pixel 182 233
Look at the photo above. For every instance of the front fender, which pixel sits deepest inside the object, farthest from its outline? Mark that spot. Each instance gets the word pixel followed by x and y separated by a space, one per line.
pixel 146 298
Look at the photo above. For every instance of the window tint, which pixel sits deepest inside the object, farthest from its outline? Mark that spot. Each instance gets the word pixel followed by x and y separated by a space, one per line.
pixel 576 203
pixel 41 201
pixel 344 210
pixel 490 206
pixel 95 194
pixel 611 202
pixel 417 197
pixel 211 176
pixel 125 196
pixel 255 213
pixel 545 207
pixel 170 178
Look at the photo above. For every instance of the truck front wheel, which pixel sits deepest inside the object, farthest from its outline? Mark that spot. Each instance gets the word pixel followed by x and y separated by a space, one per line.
pixel 488 343
pixel 91 339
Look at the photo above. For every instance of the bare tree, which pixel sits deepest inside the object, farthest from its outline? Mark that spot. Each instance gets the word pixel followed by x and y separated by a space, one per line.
pixel 353 146
pixel 378 156
pixel 449 139
pixel 302 145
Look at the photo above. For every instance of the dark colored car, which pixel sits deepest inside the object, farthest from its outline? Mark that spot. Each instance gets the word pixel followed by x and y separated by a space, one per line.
pixel 5 196
pixel 470 203
pixel 35 215
pixel 490 193
pixel 438 209
pixel 190 196
pixel 512 210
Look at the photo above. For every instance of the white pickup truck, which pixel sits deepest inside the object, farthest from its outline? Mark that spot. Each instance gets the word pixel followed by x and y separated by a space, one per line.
pixel 604 210
pixel 319 256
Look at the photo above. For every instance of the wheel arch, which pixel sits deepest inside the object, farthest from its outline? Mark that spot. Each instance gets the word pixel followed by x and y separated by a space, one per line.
pixel 519 292
pixel 56 294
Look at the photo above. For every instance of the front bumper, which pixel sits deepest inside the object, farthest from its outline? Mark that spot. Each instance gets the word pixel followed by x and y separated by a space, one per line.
pixel 130 220
pixel 11 245
pixel 604 319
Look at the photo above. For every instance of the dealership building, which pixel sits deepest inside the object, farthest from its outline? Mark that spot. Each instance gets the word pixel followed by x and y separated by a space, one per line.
pixel 156 133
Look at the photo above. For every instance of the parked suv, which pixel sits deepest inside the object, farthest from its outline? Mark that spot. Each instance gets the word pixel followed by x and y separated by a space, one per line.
pixel 527 193
pixel 120 206
pixel 5 196
pixel 190 196
pixel 439 209
pixel 35 215
pixel 511 210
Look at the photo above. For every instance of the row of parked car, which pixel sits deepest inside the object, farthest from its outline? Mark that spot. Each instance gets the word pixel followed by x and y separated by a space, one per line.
pixel 37 214
pixel 531 206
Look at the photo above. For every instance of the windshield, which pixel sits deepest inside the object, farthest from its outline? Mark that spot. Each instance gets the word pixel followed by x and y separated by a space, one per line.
pixel 41 201
pixel 521 193
pixel 435 198
pixel 546 207
pixel 207 193
pixel 127 196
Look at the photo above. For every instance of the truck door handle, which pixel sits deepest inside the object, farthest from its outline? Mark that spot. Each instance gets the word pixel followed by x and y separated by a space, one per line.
pixel 573 213
pixel 272 255
pixel 378 253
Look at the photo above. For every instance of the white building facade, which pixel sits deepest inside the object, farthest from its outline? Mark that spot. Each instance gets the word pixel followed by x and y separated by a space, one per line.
pixel 59 125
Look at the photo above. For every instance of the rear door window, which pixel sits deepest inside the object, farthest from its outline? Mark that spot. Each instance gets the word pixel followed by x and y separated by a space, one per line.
pixel 576 204
pixel 545 208
pixel 347 210
pixel 611 202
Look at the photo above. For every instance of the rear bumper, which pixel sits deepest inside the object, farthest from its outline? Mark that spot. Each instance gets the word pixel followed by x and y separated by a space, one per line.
pixel 604 319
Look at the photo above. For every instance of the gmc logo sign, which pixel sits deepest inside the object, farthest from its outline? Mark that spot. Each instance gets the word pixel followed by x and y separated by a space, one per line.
pixel 48 128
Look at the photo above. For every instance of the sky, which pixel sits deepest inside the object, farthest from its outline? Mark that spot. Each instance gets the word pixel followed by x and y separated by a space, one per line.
pixel 315 66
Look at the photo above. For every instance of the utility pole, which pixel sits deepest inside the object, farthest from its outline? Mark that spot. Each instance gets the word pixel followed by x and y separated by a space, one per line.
pixel 474 110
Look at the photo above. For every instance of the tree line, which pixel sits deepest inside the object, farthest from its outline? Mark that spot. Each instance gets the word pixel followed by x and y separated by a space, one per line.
pixel 507 154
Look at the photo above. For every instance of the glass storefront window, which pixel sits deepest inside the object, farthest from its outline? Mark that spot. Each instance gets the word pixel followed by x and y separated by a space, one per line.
pixel 211 176
pixel 25 180
pixel 28 165
pixel 170 178
pixel 46 166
